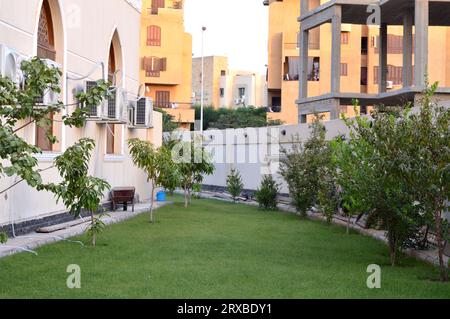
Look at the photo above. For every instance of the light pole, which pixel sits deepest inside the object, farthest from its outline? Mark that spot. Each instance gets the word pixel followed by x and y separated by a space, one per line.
pixel 202 80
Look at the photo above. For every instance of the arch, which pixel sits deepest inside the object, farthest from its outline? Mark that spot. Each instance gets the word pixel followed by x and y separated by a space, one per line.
pixel 50 32
pixel 115 57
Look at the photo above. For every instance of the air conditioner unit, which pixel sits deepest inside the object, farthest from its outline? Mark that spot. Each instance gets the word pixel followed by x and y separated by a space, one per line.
pixel 132 114
pixel 389 84
pixel 143 113
pixel 10 64
pixel 49 97
pixel 116 107
pixel 93 111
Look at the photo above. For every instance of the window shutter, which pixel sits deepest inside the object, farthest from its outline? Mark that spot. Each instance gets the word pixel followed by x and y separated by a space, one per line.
pixel 163 64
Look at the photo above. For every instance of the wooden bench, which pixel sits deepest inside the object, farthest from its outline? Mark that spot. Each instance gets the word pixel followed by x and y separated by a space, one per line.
pixel 124 196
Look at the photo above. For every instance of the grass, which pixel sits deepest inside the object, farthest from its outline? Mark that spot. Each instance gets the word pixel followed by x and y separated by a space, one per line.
pixel 218 250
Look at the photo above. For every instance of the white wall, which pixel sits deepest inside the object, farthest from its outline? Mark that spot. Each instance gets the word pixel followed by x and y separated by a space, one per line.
pixel 88 28
pixel 258 153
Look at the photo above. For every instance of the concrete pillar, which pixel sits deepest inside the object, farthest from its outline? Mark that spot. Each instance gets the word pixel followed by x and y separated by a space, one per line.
pixel 335 109
pixel 303 73
pixel 382 69
pixel 407 48
pixel 336 50
pixel 304 6
pixel 421 43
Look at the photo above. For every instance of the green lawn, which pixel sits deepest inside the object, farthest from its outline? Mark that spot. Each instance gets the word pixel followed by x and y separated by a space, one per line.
pixel 218 250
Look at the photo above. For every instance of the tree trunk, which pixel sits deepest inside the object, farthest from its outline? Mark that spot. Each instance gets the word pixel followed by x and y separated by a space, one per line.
pixel 186 204
pixel 151 202
pixel 442 267
pixel 392 248
pixel 348 224
pixel 94 239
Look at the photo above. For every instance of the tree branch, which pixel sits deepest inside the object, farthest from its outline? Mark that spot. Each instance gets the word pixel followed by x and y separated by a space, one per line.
pixel 18 182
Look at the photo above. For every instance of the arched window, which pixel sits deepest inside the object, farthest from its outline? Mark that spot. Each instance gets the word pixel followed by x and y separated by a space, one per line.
pixel 154 36
pixel 111 128
pixel 45 50
pixel 111 63
pixel 46 37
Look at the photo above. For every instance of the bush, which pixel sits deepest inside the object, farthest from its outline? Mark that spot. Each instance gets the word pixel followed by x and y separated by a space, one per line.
pixel 266 195
pixel 234 184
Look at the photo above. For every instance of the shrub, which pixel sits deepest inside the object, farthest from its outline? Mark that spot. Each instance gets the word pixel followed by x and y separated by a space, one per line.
pixel 234 184
pixel 266 195
pixel 3 238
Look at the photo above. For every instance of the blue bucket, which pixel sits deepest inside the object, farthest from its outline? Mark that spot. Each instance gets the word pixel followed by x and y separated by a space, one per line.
pixel 161 196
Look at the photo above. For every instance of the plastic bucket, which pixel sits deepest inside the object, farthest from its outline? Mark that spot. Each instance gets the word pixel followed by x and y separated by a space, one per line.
pixel 161 196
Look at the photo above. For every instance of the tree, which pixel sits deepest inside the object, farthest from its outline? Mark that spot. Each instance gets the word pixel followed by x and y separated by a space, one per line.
pixel 155 162
pixel 168 124
pixel 234 184
pixel 19 109
pixel 266 194
pixel 193 163
pixel 425 164
pixel 78 191
pixel 302 166
pixel 242 117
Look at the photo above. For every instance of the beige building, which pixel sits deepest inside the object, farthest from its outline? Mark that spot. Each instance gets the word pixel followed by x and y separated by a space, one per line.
pixel 80 37
pixel 166 59
pixel 357 69
pixel 227 88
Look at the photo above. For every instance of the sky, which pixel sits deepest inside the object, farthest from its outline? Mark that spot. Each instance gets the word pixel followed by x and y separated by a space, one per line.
pixel 237 29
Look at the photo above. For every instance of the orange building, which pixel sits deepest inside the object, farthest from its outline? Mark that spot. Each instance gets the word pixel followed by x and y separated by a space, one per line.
pixel 166 59
pixel 358 63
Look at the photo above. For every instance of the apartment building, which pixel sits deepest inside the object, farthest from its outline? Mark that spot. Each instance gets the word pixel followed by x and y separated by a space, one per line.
pixel 87 41
pixel 227 88
pixel 166 59
pixel 358 66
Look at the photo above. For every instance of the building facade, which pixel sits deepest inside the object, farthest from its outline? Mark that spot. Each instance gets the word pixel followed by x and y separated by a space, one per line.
pixel 166 59
pixel 79 37
pixel 227 88
pixel 358 67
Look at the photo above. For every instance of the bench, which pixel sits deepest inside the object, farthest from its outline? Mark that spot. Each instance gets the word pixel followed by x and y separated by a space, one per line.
pixel 124 196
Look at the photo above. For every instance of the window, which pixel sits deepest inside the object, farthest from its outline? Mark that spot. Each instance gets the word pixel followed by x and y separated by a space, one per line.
pixel 344 37
pixel 45 50
pixel 241 92
pixel 222 92
pixel 42 134
pixel 344 69
pixel 153 66
pixel 364 45
pixel 223 73
pixel 154 36
pixel 394 44
pixel 313 69
pixel 110 129
pixel 111 64
pixel 291 68
pixel 156 4
pixel 363 75
pixel 46 40
pixel 395 74
pixel 162 99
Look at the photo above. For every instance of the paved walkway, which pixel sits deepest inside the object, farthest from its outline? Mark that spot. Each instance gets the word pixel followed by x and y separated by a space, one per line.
pixel 430 256
pixel 29 242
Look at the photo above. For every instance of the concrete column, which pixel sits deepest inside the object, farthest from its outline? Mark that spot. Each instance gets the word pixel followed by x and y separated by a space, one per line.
pixel 336 49
pixel 421 43
pixel 304 6
pixel 407 48
pixel 382 68
pixel 303 72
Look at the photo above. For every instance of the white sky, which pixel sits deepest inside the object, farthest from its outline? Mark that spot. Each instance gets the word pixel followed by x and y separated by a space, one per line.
pixel 235 28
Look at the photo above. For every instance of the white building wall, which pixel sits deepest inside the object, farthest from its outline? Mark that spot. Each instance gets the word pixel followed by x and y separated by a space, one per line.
pixel 87 30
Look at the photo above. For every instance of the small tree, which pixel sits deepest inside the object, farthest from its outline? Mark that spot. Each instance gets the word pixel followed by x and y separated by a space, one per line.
pixel 193 163
pixel 301 167
pixel 234 184
pixel 79 191
pixel 266 194
pixel 3 238
pixel 156 163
